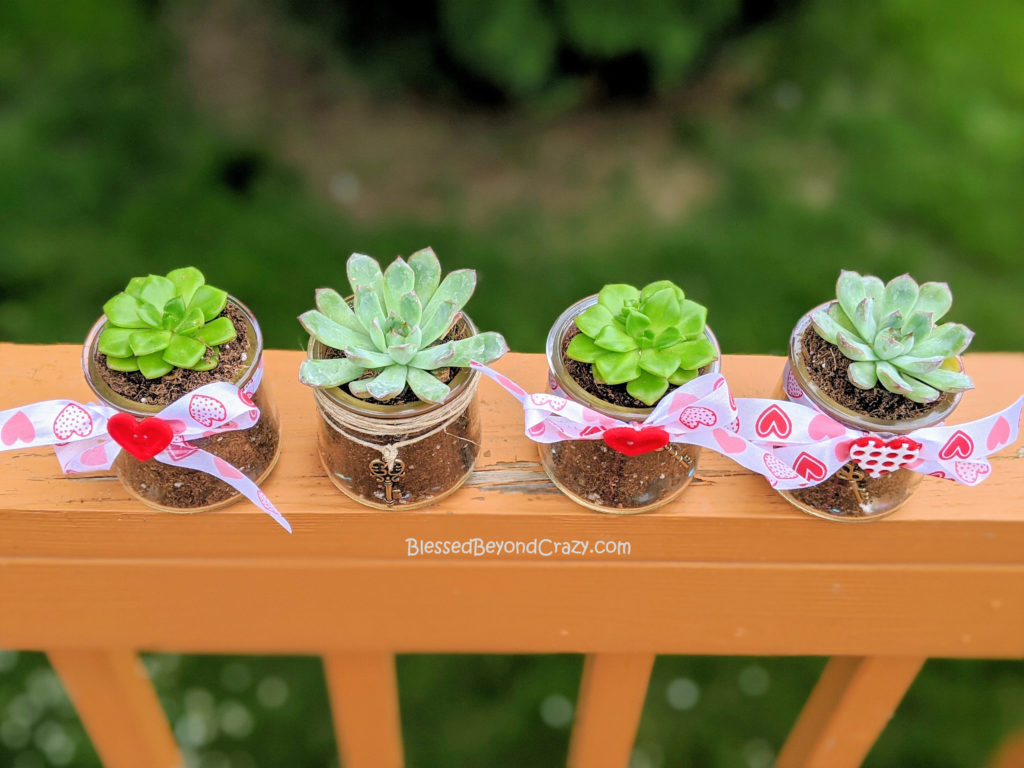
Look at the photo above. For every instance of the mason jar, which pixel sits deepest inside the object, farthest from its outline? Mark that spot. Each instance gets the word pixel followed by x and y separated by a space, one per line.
pixel 589 471
pixel 851 494
pixel 400 456
pixel 253 451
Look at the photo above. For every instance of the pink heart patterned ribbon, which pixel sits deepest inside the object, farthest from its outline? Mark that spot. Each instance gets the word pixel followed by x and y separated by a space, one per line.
pixel 701 412
pixel 792 445
pixel 817 446
pixel 78 433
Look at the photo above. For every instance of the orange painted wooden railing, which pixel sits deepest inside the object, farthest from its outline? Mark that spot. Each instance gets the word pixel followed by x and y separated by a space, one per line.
pixel 91 577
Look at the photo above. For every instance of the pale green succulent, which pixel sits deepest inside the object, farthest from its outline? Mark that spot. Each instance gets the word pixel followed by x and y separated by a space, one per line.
pixel 159 323
pixel 889 333
pixel 394 329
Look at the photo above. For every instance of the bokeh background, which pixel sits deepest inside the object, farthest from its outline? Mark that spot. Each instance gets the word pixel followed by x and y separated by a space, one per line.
pixel 746 150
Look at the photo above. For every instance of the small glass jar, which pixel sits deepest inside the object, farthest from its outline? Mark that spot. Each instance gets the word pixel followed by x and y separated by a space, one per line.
pixel 170 488
pixel 399 456
pixel 590 472
pixel 851 495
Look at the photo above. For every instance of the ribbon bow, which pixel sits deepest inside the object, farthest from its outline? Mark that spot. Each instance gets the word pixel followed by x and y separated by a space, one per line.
pixel 816 446
pixel 700 412
pixel 88 437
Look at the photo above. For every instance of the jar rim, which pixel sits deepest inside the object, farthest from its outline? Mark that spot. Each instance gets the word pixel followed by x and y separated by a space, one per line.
pixel 103 391
pixel 848 416
pixel 553 351
pixel 338 396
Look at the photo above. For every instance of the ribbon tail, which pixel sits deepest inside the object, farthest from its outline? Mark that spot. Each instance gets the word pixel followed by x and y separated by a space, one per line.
pixel 503 381
pixel 205 462
pixel 92 455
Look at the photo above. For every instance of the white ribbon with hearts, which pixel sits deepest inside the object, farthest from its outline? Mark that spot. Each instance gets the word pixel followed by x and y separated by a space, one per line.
pixel 80 437
pixel 816 446
pixel 701 412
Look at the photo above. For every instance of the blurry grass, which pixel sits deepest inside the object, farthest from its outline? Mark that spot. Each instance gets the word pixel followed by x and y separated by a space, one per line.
pixel 882 138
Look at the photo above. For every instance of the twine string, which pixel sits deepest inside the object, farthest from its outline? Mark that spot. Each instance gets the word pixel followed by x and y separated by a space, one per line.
pixel 345 421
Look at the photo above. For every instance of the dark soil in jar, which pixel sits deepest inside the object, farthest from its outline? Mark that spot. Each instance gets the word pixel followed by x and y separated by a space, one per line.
pixel 430 467
pixel 827 367
pixel 846 498
pixel 602 475
pixel 252 451
pixel 607 478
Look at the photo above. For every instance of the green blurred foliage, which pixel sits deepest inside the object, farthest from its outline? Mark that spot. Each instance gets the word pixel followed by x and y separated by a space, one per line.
pixel 882 138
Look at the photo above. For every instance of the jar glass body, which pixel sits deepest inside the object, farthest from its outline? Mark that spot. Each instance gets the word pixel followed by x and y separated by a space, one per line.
pixel 170 488
pixel 851 495
pixel 590 472
pixel 399 456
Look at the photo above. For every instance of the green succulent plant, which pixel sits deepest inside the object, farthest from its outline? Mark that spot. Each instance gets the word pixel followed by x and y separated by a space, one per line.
pixel 391 334
pixel 889 333
pixel 159 323
pixel 646 339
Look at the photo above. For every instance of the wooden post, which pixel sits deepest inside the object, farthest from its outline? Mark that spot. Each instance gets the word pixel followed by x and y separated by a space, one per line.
pixel 847 710
pixel 364 701
pixel 118 706
pixel 610 703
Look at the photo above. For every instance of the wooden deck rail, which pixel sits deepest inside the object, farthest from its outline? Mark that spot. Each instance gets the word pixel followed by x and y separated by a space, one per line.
pixel 89 576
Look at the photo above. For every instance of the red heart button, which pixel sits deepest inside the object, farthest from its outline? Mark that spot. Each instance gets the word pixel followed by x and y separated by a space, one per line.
pixel 142 439
pixel 633 442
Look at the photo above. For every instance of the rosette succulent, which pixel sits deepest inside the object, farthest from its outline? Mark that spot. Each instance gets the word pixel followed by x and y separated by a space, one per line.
pixel 646 339
pixel 889 333
pixel 393 332
pixel 159 323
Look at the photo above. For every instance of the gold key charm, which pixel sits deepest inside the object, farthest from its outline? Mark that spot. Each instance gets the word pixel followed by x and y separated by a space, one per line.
pixel 379 469
pixel 682 458
pixel 856 476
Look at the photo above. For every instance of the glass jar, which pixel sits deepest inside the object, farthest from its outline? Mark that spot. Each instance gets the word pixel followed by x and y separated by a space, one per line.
pixel 851 495
pixel 399 456
pixel 253 451
pixel 590 472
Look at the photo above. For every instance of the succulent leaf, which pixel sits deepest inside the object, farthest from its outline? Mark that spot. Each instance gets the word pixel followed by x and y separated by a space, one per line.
pixel 209 300
pixel 616 296
pixel 436 325
pixel 428 274
pixel 826 326
pixel 331 303
pixel 483 346
pixel 364 273
pixel 935 298
pixel 427 387
pixel 437 356
pixel 615 339
pixel 184 352
pixel 948 340
pixel 618 367
pixel 594 319
pixel 682 375
pixel 915 366
pixel 116 342
pixel 329 373
pixel 854 348
pixel 647 387
pixel 660 362
pixel 186 282
pixel 154 366
pixel 864 318
pixel 399 280
pixel 388 383
pixel 457 287
pixel 850 291
pixel 126 364
pixel 862 374
pixel 330 333
pixel 148 342
pixel 947 381
pixel 394 328
pixel 582 348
